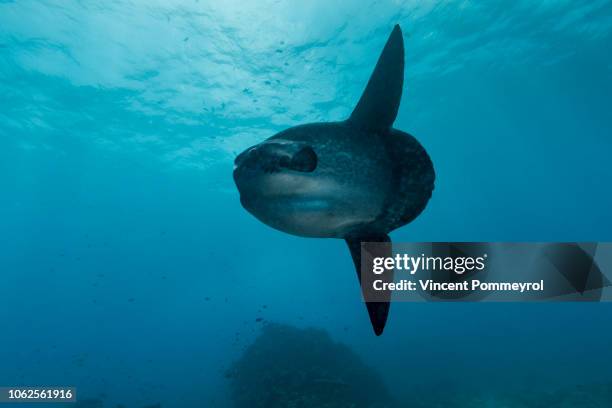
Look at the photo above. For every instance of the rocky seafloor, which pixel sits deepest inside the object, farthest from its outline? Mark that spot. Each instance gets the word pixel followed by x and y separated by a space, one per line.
pixel 289 367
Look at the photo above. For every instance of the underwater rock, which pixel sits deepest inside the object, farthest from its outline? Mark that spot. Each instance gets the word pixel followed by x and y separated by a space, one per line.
pixel 300 368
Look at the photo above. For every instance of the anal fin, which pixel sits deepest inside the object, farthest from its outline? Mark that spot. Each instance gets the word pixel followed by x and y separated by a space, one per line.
pixel 379 310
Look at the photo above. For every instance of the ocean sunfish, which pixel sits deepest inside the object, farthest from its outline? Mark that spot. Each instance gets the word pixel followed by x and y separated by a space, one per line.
pixel 356 180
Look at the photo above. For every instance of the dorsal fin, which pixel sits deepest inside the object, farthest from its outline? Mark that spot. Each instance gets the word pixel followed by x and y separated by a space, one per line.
pixel 377 108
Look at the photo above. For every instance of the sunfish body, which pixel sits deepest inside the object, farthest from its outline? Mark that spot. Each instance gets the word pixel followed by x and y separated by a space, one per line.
pixel 355 180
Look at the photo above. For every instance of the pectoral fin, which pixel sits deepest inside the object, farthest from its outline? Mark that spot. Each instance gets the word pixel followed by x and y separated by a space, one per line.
pixel 378 311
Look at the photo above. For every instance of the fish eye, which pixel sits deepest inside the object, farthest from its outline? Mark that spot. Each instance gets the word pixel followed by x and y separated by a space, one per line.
pixel 305 160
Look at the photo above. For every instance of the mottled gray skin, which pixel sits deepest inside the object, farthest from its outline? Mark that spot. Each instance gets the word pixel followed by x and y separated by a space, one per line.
pixel 356 180
pixel 363 182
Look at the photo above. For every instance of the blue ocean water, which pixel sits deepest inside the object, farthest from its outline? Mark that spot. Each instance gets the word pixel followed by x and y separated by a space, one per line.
pixel 128 265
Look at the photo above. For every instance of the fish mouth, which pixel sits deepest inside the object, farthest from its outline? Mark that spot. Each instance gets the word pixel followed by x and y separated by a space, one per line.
pixel 250 176
pixel 259 182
